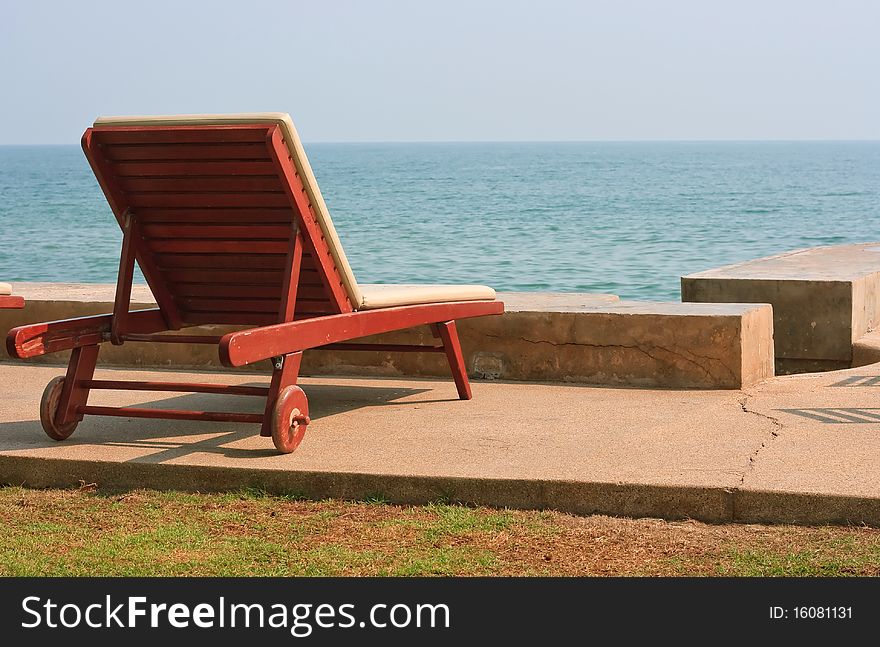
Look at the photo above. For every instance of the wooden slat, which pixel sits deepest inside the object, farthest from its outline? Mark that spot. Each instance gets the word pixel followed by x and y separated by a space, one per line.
pixel 213 304
pixel 250 183
pixel 233 260
pixel 308 263
pixel 246 318
pixel 215 216
pixel 173 339
pixel 177 387
pixel 383 348
pixel 308 276
pixel 146 152
pixel 221 261
pixel 245 277
pixel 173 169
pixel 205 308
pixel 206 200
pixel 227 290
pixel 314 292
pixel 224 290
pixel 118 204
pixel 323 306
pixel 218 246
pixel 308 315
pixel 139 135
pixel 170 414
pixel 263 232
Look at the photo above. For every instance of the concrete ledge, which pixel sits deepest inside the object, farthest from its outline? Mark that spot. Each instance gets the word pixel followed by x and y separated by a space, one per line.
pixel 824 299
pixel 763 506
pixel 708 504
pixel 542 337
pixel 631 500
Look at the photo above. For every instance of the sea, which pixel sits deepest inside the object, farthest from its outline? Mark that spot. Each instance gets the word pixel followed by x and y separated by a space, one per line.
pixel 626 218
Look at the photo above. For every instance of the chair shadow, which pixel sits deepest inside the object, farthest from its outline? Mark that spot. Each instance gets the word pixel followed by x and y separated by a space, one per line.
pixel 838 415
pixel 858 380
pixel 842 415
pixel 164 435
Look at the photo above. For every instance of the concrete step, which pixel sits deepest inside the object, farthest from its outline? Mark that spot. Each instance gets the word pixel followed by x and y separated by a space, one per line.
pixel 586 338
pixel 824 299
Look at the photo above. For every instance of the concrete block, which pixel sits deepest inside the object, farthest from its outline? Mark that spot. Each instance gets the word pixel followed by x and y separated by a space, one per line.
pixel 542 337
pixel 824 299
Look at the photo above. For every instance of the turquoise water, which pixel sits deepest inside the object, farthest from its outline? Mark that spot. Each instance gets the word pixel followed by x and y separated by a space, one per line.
pixel 625 218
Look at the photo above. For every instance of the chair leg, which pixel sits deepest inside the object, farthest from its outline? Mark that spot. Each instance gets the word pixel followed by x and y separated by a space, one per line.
pixel 81 368
pixel 448 334
pixel 283 375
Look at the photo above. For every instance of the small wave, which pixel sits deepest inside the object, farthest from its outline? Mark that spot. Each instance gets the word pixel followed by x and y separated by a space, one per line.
pixel 599 218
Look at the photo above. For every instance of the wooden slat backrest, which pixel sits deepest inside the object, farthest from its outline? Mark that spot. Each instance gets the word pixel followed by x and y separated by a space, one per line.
pixel 217 208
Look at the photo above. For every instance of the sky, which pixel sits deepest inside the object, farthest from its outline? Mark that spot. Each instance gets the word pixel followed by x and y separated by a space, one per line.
pixel 383 70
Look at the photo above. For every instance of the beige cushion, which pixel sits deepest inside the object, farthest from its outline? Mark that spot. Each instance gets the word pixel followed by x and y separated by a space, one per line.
pixel 387 296
pixel 5 288
pixel 380 296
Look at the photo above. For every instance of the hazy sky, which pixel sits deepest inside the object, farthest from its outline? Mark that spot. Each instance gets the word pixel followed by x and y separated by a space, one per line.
pixel 379 70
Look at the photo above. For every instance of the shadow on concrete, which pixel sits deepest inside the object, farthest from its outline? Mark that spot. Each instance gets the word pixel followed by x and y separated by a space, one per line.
pixel 163 436
pixel 859 380
pixel 838 415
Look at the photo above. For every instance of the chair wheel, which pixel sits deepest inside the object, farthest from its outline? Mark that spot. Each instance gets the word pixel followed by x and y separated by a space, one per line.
pixel 48 409
pixel 290 417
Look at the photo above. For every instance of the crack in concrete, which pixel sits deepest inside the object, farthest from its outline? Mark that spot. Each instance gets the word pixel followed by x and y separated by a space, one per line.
pixel 684 349
pixel 640 349
pixel 774 433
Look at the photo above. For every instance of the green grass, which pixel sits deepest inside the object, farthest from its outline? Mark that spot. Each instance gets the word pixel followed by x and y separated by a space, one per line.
pixel 833 558
pixel 251 533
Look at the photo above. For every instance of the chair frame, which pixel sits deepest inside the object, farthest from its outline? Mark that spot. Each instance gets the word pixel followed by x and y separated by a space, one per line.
pixel 281 339
pixel 11 301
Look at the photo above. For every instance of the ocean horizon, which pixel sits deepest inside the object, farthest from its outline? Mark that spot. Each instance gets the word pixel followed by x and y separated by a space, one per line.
pixel 621 217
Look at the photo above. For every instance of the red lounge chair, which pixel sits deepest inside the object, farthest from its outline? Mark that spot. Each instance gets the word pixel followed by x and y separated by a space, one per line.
pixel 224 217
pixel 7 300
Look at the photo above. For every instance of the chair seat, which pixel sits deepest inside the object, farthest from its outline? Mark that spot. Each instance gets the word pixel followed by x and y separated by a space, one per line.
pixel 387 296
pixel 5 288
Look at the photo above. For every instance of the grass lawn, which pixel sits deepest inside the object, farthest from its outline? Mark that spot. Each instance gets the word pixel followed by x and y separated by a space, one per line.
pixel 82 532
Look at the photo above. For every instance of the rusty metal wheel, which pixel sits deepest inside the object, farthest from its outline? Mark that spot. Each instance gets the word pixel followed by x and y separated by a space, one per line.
pixel 290 417
pixel 48 409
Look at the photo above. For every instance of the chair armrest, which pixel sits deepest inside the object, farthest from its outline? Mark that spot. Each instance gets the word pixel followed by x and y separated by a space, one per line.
pixel 33 340
pixel 255 344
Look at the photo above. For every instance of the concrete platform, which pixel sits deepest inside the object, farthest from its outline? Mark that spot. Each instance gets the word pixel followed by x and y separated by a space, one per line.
pixel 565 337
pixel 798 449
pixel 824 300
